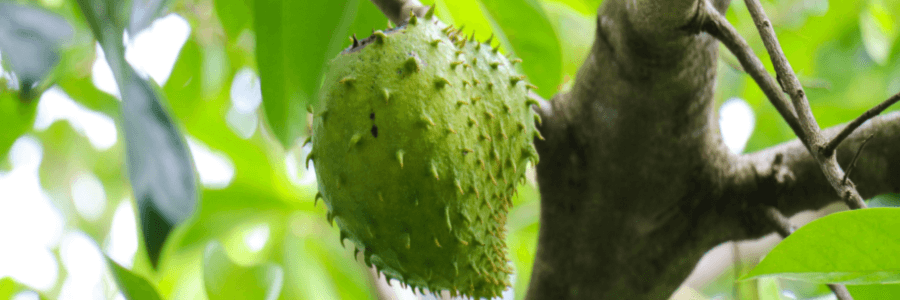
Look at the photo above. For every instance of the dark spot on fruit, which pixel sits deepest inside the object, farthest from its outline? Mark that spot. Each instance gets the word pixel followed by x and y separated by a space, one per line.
pixel 372 116
pixel 374 130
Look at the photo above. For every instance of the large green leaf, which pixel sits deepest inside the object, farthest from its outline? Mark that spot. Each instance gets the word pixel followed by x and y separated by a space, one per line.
pixel 874 291
pixel 224 279
pixel 526 28
pixel 159 167
pixel 133 287
pixel 294 39
pixel 30 39
pixel 851 247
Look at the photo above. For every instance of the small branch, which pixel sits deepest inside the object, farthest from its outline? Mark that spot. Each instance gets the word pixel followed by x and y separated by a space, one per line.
pixel 398 10
pixel 855 157
pixel 784 228
pixel 779 221
pixel 840 291
pixel 786 76
pixel 716 25
pixel 828 150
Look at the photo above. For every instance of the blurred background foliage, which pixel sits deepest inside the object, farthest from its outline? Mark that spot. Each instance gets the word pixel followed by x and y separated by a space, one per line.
pixel 224 87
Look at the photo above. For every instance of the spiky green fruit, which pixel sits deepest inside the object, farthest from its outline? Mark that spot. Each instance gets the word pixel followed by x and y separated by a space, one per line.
pixel 419 140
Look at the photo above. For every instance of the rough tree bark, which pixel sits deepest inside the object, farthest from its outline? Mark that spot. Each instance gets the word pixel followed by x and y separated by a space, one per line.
pixel 636 183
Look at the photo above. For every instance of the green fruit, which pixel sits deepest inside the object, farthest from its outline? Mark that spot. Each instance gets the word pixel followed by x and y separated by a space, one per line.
pixel 419 140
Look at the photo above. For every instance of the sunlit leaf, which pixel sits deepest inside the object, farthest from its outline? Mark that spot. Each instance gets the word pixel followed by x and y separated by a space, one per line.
pixel 851 247
pixel 529 32
pixel 576 34
pixel 878 31
pixel 875 291
pixel 225 279
pixel 133 286
pixel 290 67
pixel 30 38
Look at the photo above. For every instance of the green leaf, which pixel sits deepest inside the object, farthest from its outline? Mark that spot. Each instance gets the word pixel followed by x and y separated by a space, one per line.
pixel 468 13
pixel 874 291
pixel 851 247
pixel 235 16
pixel 878 31
pixel 526 28
pixel 294 39
pixel 133 287
pixel 161 171
pixel 30 39
pixel 576 34
pixel 16 118
pixel 225 279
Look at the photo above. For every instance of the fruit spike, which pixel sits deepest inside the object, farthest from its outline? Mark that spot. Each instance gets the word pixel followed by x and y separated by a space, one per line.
pixel 411 64
pixel 354 41
pixel 413 20
pixel 440 82
pixel 407 102
pixel 379 36
pixel 430 13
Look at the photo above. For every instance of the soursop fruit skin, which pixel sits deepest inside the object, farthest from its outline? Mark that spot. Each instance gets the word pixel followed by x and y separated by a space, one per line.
pixel 419 139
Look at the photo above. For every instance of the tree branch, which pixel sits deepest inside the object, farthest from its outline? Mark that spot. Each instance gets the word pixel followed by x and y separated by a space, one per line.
pixel 719 27
pixel 829 148
pixel 786 76
pixel 398 10
pixel 876 171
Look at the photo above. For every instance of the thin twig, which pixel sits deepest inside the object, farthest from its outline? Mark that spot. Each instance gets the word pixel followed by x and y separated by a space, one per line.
pixel 786 76
pixel 855 157
pixel 784 228
pixel 716 25
pixel 828 150
pixel 791 85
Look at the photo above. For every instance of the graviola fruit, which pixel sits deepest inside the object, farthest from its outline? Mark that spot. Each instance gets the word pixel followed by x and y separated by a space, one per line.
pixel 419 140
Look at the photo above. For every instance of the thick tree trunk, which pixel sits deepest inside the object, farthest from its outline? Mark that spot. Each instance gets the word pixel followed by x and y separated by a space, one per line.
pixel 636 183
